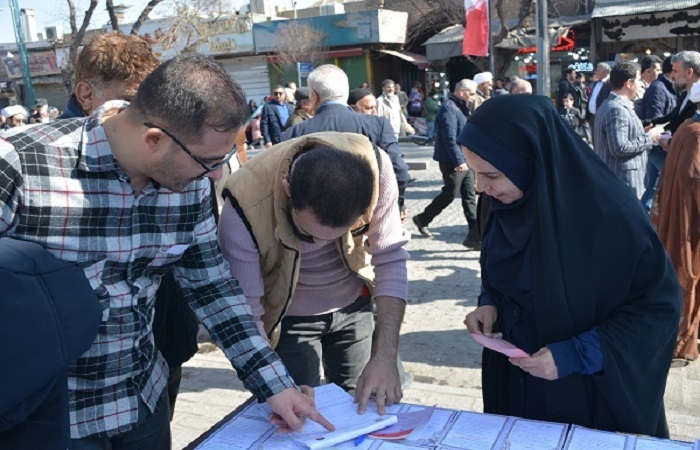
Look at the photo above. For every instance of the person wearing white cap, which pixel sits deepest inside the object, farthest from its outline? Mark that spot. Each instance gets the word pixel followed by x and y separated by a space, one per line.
pixel 14 115
pixel 484 80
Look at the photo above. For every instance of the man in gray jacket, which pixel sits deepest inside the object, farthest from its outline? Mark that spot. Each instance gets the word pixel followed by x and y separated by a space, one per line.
pixel 620 139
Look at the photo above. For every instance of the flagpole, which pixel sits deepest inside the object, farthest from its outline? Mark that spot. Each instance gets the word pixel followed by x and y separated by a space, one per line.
pixel 543 84
pixel 492 55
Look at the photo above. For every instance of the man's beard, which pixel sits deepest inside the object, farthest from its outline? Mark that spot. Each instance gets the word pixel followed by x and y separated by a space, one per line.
pixel 389 94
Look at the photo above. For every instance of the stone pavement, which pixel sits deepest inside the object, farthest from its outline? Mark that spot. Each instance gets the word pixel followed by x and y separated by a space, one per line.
pixel 445 362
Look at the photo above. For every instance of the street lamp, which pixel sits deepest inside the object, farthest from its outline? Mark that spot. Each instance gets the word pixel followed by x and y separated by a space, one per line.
pixel 19 38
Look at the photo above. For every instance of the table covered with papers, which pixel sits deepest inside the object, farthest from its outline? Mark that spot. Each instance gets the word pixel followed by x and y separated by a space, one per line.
pixel 441 429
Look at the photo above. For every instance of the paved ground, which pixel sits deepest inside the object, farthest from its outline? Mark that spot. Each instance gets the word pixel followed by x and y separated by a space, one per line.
pixel 444 282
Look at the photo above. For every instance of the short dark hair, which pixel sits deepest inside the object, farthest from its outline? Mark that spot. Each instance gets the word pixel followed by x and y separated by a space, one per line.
pixel 568 95
pixel 335 185
pixel 667 65
pixel 569 70
pixel 190 93
pixel 621 73
pixel 649 61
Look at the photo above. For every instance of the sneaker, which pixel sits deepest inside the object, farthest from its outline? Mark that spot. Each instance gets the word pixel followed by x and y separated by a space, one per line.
pixel 422 229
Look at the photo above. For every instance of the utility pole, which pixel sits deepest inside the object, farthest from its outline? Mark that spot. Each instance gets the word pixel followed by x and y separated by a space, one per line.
pixel 19 38
pixel 543 47
pixel 492 49
pixel 294 5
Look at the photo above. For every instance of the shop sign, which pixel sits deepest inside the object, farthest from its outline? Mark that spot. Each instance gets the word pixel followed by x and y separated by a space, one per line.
pixel 566 44
pixel 651 26
pixel 582 66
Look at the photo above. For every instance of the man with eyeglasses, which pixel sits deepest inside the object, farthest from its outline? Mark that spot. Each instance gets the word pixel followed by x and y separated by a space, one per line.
pixel 312 233
pixel 274 117
pixel 122 194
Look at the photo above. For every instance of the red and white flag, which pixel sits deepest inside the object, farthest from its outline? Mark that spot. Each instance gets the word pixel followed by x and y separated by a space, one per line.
pixel 476 33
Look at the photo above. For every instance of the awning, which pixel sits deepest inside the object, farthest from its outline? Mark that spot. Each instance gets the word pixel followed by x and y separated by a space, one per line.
pixel 446 44
pixel 610 8
pixel 414 58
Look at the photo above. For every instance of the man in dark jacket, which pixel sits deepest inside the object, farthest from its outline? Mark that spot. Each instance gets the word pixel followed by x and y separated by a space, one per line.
pixel 566 86
pixel 49 315
pixel 275 114
pixel 685 71
pixel 328 92
pixel 659 100
pixel 457 177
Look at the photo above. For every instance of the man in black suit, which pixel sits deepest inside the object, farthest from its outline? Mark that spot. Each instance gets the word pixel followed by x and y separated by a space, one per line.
pixel 328 92
pixel 275 114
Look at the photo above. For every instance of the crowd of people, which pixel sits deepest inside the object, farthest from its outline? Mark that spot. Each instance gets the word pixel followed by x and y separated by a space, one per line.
pixel 296 263
pixel 17 115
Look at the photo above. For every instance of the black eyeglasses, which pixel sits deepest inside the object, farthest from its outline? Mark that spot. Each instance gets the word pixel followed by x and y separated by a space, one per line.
pixel 278 93
pixel 207 168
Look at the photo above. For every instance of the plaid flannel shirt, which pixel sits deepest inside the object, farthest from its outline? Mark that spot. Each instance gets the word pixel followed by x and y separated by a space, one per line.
pixel 61 187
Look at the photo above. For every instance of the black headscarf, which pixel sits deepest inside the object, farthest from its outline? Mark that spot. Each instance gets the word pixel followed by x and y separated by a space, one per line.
pixel 595 261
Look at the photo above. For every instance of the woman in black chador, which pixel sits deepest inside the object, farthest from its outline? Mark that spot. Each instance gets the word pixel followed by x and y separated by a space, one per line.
pixel 572 272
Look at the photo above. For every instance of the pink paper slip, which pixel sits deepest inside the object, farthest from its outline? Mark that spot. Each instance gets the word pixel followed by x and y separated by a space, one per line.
pixel 500 346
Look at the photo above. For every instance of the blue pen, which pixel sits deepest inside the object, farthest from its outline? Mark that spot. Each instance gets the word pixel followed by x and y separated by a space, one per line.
pixel 360 439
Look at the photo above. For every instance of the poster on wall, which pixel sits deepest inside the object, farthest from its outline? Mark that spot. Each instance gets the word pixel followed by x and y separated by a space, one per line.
pixel 40 64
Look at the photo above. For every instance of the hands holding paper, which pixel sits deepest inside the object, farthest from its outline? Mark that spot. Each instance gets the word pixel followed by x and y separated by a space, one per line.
pixel 540 365
pixel 480 325
pixel 291 408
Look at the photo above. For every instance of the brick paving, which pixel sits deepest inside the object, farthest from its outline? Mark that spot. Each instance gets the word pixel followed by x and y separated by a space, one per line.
pixel 445 362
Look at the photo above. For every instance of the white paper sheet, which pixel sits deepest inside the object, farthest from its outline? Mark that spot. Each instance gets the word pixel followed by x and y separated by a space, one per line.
pixel 475 431
pixel 431 432
pixel 239 434
pixel 647 443
pixel 533 435
pixel 338 407
pixel 585 439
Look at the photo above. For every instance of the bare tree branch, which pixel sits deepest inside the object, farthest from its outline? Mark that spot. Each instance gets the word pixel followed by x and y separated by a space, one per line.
pixel 298 43
pixel 112 16
pixel 197 21
pixel 144 16
pixel 71 17
pixel 77 36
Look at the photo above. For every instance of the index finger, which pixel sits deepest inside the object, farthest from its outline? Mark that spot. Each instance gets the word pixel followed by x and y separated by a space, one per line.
pixel 316 416
pixel 362 395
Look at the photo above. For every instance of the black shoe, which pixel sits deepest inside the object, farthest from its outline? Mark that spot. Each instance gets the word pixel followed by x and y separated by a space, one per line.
pixel 422 229
pixel 472 241
pixel 410 181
